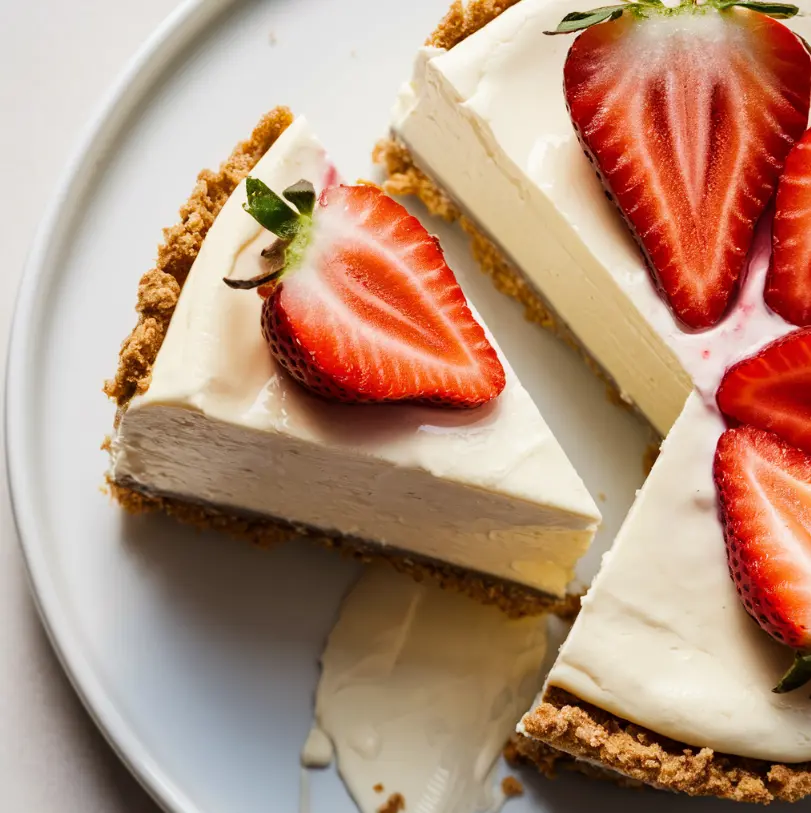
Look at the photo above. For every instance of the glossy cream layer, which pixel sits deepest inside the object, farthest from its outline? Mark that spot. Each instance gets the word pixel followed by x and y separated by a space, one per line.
pixel 488 489
pixel 488 121
pixel 420 689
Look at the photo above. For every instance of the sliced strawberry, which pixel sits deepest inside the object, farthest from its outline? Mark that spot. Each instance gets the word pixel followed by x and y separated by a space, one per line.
pixel 688 114
pixel 362 307
pixel 772 389
pixel 764 487
pixel 788 285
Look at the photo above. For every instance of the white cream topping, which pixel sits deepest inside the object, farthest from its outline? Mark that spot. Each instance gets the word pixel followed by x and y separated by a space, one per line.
pixel 420 690
pixel 488 489
pixel 488 120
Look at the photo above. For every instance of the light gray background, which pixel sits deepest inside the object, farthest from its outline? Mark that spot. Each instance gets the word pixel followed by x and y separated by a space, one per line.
pixel 57 59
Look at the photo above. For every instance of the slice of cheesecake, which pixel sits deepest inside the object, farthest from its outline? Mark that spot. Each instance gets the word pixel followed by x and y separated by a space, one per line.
pixel 213 430
pixel 664 678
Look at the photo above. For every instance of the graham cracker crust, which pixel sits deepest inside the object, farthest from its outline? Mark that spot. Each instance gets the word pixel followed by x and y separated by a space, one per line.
pixel 565 723
pixel 158 292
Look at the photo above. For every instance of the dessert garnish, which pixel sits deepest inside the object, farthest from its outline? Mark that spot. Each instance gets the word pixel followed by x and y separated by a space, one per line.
pixel 360 305
pixel 772 389
pixel 688 114
pixel 764 487
pixel 788 284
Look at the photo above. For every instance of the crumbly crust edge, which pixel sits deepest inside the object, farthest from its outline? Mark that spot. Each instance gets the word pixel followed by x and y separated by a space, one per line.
pixel 158 293
pixel 568 724
pixel 464 19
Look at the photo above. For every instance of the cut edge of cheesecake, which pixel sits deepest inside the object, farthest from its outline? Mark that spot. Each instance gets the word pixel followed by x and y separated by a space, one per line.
pixel 158 293
pixel 588 733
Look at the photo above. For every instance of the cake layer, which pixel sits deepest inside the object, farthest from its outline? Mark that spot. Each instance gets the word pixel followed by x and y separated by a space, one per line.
pixel 487 489
pixel 487 121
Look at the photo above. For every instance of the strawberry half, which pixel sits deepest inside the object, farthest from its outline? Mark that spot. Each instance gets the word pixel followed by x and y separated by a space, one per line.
pixel 772 389
pixel 788 285
pixel 688 114
pixel 764 487
pixel 360 305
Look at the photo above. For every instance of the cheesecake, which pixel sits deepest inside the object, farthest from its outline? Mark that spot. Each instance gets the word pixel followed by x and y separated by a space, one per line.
pixel 562 158
pixel 224 421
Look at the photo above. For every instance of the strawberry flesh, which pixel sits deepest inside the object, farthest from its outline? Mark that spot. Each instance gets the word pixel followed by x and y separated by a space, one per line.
pixel 372 313
pixel 689 115
pixel 764 488
pixel 788 285
pixel 772 389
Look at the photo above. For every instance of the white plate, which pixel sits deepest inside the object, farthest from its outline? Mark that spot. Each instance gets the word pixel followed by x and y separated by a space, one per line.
pixel 197 656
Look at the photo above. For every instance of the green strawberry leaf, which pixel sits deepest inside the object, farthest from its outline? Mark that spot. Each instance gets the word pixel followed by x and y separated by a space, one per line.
pixel 302 195
pixel 780 11
pixel 580 20
pixel 798 675
pixel 269 210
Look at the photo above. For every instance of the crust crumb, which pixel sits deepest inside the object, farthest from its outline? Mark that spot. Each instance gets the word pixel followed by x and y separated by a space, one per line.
pixel 568 608
pixel 378 788
pixel 464 19
pixel 394 804
pixel 510 787
pixel 585 732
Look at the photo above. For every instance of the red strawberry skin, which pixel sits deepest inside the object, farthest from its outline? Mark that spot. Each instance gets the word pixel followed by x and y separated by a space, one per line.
pixel 764 488
pixel 772 389
pixel 788 284
pixel 374 314
pixel 689 119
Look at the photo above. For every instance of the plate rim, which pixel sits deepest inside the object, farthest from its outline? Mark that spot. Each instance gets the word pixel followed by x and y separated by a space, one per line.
pixel 132 86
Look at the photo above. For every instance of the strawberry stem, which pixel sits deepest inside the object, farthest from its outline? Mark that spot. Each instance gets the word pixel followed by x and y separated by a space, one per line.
pixel 798 675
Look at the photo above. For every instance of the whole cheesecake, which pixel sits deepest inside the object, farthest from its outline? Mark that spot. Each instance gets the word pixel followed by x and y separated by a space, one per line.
pixel 215 430
pixel 665 677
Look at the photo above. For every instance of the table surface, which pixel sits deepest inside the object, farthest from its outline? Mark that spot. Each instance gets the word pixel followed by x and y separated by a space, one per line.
pixel 57 59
